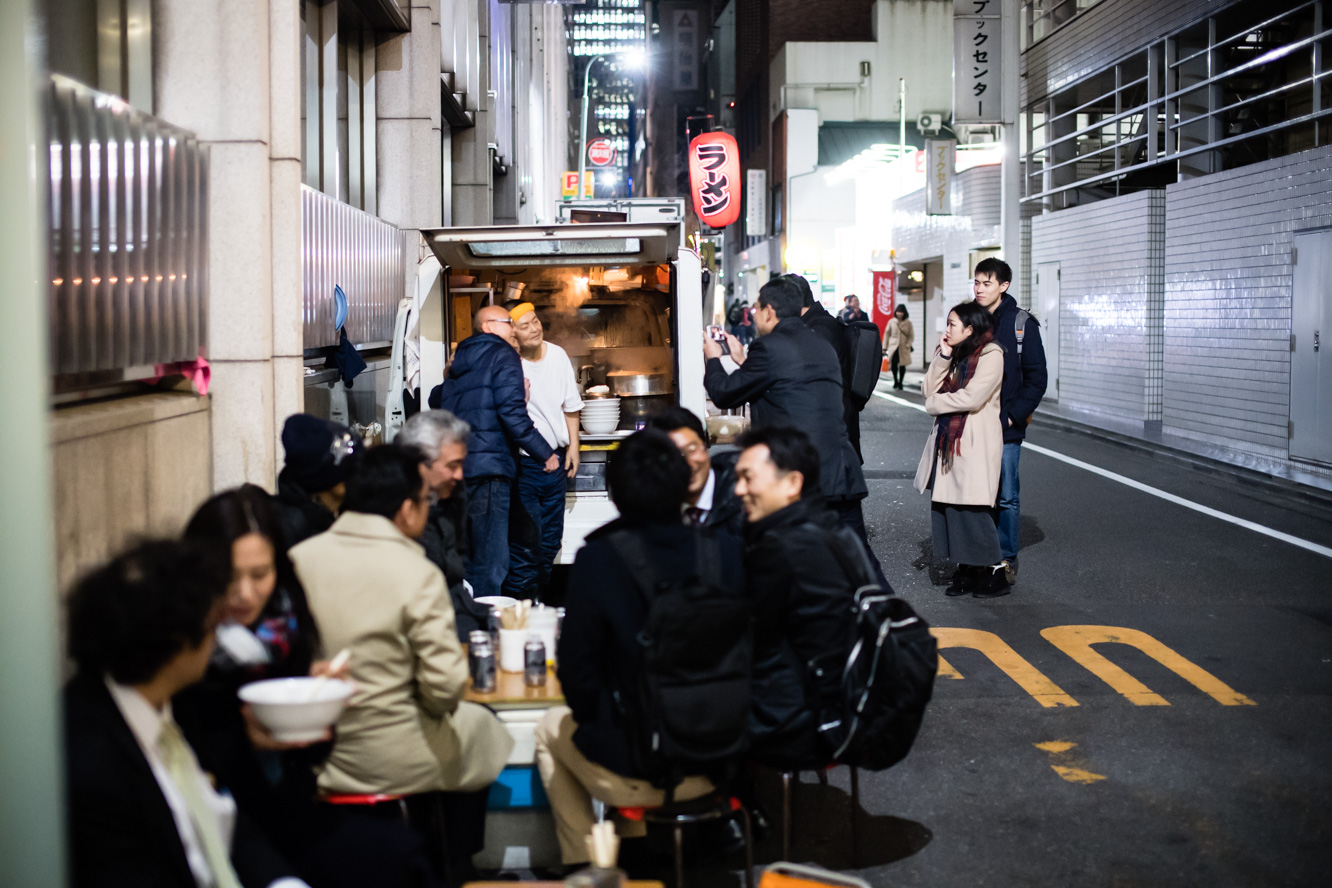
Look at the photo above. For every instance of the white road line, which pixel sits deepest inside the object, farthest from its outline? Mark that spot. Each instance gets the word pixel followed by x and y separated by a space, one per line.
pixel 1325 551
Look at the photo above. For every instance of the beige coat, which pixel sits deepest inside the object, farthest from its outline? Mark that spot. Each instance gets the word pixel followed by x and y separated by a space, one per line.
pixel 405 730
pixel 898 337
pixel 973 479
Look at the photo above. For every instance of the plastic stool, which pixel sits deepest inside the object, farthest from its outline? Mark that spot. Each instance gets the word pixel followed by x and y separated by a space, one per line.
pixel 678 815
pixel 435 813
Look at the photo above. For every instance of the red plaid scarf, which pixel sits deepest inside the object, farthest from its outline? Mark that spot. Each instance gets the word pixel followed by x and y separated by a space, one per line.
pixel 949 426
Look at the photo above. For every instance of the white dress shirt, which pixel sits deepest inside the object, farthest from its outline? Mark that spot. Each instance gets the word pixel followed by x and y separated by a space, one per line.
pixel 704 504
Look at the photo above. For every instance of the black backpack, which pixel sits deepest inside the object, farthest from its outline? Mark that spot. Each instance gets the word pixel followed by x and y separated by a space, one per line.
pixel 889 674
pixel 736 314
pixel 864 360
pixel 690 713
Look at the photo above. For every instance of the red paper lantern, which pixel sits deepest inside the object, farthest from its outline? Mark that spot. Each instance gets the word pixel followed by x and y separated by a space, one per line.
pixel 714 178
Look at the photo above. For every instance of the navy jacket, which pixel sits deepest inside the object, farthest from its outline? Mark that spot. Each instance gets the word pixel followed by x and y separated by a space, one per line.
pixel 1025 376
pixel 791 377
pixel 484 386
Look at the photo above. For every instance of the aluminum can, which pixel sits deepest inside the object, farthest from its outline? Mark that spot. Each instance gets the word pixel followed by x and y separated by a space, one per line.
pixel 476 639
pixel 496 622
pixel 485 677
pixel 534 662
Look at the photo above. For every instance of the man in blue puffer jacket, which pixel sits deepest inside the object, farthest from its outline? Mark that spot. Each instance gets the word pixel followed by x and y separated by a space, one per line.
pixel 484 387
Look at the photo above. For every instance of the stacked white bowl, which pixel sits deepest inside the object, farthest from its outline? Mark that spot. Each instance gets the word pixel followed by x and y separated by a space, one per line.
pixel 600 415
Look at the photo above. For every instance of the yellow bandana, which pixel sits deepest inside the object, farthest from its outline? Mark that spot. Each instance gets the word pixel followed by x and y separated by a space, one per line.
pixel 521 309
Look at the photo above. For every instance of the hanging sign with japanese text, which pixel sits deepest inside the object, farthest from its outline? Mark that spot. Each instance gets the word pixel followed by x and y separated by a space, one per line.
pixel 976 82
pixel 714 178
pixel 756 203
pixel 940 166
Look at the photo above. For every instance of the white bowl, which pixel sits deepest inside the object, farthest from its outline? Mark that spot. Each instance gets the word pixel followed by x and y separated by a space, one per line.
pixel 285 706
pixel 600 426
pixel 601 408
pixel 499 601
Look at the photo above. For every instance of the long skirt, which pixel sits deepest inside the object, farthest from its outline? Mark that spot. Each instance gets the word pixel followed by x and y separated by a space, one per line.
pixel 965 534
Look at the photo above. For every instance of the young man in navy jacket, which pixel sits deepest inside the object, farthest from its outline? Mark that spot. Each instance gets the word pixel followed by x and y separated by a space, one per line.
pixel 1024 384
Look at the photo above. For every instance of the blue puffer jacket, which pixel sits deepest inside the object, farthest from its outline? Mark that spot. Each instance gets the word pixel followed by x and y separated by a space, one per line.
pixel 484 386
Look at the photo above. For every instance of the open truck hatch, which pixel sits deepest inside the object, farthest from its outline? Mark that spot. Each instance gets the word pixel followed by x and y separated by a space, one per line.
pixel 511 246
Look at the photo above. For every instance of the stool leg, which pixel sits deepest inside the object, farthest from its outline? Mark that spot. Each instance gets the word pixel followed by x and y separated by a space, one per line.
pixel 855 818
pixel 786 814
pixel 679 856
pixel 749 847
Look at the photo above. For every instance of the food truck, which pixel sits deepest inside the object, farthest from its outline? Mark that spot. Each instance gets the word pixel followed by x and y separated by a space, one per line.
pixel 624 299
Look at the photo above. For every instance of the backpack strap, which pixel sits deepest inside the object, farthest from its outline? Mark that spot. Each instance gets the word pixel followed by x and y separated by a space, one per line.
pixel 1020 326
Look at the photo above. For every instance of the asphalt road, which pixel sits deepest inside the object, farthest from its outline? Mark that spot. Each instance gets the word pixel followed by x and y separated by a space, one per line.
pixel 1051 774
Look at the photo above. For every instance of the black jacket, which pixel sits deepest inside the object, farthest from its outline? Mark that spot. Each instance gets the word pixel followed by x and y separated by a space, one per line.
pixel 300 516
pixel 484 386
pixel 599 656
pixel 445 542
pixel 727 511
pixel 792 378
pixel 121 832
pixel 803 624
pixel 1025 376
pixel 830 329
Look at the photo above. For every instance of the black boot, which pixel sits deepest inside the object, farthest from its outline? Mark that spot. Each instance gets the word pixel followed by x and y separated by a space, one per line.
pixel 993 582
pixel 963 582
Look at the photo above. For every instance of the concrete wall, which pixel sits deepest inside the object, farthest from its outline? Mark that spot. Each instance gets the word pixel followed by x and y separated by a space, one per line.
pixel 1110 291
pixel 407 131
pixel 1228 277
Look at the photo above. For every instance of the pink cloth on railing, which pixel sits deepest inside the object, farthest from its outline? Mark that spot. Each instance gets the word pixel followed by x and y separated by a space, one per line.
pixel 197 372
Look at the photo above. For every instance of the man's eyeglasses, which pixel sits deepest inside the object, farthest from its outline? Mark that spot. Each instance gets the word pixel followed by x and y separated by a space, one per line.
pixel 499 321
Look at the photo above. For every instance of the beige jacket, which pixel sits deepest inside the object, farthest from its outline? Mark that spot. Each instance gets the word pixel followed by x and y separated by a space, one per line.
pixel 899 337
pixel 973 479
pixel 405 730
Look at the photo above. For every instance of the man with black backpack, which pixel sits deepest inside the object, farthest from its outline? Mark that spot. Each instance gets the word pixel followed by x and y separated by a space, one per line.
pixel 655 654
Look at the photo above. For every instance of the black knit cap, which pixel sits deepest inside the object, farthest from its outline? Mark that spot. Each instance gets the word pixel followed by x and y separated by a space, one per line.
pixel 317 452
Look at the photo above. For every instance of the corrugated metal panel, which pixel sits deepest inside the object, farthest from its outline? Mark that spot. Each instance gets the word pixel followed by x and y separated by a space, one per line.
pixel 128 208
pixel 343 246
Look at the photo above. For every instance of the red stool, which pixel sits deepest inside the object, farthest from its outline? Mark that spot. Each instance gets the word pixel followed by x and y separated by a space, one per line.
pixel 434 812
pixel 678 815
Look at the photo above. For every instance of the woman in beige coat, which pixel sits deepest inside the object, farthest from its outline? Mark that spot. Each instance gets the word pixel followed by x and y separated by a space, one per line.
pixel 962 458
pixel 897 344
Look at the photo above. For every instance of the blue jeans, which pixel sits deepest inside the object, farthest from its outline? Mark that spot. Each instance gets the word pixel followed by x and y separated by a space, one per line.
pixel 1009 513
pixel 536 527
pixel 488 521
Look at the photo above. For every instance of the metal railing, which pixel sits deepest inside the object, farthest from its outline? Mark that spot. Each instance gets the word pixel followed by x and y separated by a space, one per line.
pixel 1040 18
pixel 128 207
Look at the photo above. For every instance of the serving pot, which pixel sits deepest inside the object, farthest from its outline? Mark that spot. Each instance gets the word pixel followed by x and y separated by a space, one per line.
pixel 636 385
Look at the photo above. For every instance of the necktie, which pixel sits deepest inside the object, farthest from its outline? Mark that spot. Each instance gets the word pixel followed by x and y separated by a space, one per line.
pixel 184 772
pixel 694 515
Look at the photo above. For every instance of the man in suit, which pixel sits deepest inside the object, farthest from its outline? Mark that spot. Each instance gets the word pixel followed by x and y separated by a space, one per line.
pixel 711 501
pixel 791 378
pixel 141 811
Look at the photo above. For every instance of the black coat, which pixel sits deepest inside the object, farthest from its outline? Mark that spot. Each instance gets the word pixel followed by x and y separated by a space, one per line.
pixel 792 378
pixel 604 611
pixel 1025 375
pixel 300 516
pixel 445 541
pixel 830 329
pixel 727 512
pixel 484 386
pixel 121 832
pixel 803 624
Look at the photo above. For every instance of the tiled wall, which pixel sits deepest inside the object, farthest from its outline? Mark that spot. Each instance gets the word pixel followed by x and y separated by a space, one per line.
pixel 1110 288
pixel 1228 277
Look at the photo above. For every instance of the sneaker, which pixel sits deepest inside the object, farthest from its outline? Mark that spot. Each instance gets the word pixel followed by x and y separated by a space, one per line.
pixel 1010 570
pixel 993 584
pixel 963 582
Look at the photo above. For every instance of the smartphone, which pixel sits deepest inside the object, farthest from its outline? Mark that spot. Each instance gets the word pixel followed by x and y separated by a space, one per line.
pixel 717 333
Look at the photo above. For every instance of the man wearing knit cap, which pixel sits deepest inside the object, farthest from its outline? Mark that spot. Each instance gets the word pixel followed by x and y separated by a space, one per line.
pixel 310 485
pixel 484 388
pixel 553 402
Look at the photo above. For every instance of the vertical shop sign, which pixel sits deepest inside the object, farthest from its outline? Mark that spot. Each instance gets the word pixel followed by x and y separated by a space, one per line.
pixel 976 89
pixel 686 49
pixel 756 203
pixel 940 166
pixel 714 178
pixel 570 189
pixel 885 299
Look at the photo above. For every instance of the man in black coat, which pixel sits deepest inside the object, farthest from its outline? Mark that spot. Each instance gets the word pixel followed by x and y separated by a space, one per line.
pixel 141 811
pixel 583 750
pixel 830 329
pixel 1025 379
pixel 711 501
pixel 791 378
pixel 795 552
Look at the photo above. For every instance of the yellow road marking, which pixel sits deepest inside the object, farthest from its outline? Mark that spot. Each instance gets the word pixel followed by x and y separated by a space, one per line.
pixel 1077 641
pixel 1077 775
pixel 1055 746
pixel 1028 677
pixel 947 670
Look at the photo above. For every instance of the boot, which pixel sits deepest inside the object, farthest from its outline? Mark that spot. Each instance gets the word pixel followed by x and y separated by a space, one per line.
pixel 993 582
pixel 963 582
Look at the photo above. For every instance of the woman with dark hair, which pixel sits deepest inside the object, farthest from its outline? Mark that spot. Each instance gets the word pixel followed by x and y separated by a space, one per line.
pixel 961 462
pixel 897 344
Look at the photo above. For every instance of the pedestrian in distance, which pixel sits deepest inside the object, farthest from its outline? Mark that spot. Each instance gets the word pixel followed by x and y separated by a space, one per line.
pixel 961 462
pixel 536 526
pixel 484 386
pixel 898 342
pixel 311 484
pixel 852 313
pixel 746 334
pixel 1025 380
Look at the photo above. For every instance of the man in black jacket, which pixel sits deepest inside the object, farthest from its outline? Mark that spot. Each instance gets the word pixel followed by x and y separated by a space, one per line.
pixel 795 552
pixel 583 750
pixel 141 811
pixel 830 329
pixel 1025 379
pixel 791 378
pixel 711 501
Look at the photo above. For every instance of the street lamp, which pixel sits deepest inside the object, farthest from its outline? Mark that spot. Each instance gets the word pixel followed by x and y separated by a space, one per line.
pixel 634 59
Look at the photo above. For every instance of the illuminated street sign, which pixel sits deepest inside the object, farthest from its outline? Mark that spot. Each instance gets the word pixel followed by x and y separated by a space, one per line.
pixel 714 178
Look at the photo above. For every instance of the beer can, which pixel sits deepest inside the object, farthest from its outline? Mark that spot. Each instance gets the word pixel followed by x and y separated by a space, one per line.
pixel 534 662
pixel 496 623
pixel 476 639
pixel 485 677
